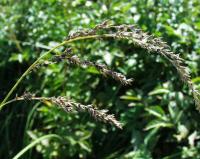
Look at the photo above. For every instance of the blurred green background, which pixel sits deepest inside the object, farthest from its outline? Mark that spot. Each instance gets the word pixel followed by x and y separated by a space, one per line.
pixel 158 112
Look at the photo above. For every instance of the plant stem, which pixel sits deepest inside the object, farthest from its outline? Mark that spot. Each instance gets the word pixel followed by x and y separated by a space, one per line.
pixel 34 143
pixel 26 72
pixel 21 99
pixel 42 56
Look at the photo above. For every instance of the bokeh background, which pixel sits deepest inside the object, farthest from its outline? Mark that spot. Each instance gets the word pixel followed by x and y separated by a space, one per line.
pixel 157 111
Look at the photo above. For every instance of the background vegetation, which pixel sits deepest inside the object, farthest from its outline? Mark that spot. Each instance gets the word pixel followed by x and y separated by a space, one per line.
pixel 158 112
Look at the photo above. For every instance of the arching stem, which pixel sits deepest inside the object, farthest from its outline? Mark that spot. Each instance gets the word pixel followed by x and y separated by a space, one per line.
pixel 44 55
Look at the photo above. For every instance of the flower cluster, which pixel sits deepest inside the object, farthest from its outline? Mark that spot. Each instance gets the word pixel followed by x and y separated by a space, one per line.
pixel 139 38
pixel 151 44
pixel 88 32
pixel 74 59
pixel 101 115
pixel 69 105
pixel 102 68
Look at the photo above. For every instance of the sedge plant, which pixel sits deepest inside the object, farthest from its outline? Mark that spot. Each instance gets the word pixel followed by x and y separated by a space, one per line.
pixel 104 30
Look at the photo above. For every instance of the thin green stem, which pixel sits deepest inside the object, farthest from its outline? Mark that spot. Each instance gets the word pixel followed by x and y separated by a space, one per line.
pixel 21 99
pixel 27 71
pixel 24 150
pixel 41 57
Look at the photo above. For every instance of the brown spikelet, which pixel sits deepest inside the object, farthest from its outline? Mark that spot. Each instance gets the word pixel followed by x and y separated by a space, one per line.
pixel 74 59
pixel 100 115
pixel 102 68
pixel 88 32
pixel 69 105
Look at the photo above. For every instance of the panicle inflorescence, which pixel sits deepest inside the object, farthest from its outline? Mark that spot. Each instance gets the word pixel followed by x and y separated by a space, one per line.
pixel 152 44
pixel 101 68
pixel 88 32
pixel 74 59
pixel 105 30
pixel 139 38
pixel 69 105
pixel 101 115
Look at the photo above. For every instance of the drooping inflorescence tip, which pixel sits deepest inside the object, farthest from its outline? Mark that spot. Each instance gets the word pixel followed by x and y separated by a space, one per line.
pixel 103 69
pixel 74 59
pixel 69 106
pixel 100 115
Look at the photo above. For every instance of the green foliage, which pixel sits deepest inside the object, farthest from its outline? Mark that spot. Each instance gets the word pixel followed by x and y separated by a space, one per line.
pixel 158 113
